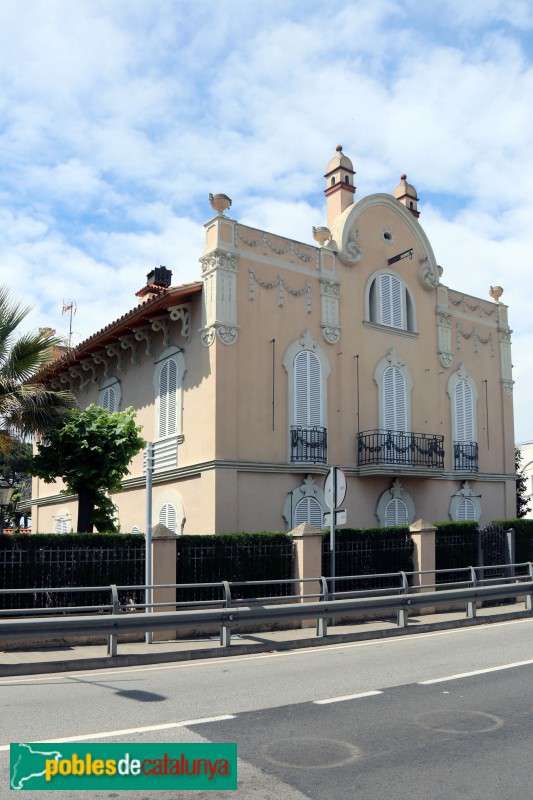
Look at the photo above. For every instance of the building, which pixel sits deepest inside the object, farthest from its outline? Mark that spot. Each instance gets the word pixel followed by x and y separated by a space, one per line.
pixel 285 358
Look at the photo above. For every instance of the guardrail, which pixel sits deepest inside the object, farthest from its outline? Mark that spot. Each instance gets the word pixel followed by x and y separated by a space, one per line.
pixel 231 613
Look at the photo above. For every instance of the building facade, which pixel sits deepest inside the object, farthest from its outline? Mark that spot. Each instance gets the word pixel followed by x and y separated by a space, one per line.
pixel 286 358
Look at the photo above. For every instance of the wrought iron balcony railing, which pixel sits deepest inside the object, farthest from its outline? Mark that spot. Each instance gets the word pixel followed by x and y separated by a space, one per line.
pixel 309 444
pixel 465 456
pixel 400 447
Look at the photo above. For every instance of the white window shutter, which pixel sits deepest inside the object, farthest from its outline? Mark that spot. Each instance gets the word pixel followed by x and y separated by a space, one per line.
pixel 391 301
pixel 308 509
pixel 396 513
pixel 465 510
pixel 168 517
pixel 307 389
pixel 109 399
pixel 168 389
pixel 464 412
pixel 394 400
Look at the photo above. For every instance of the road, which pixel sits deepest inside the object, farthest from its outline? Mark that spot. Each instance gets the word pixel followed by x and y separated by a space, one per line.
pixel 441 715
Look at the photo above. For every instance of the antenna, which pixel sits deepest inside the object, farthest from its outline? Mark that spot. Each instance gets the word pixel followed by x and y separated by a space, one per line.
pixel 69 307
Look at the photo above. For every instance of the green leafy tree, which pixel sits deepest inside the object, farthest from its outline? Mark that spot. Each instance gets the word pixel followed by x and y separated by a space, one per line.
pixel 26 405
pixel 91 452
pixel 14 468
pixel 522 501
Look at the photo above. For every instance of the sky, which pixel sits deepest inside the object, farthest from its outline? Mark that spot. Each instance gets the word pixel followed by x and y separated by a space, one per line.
pixel 119 117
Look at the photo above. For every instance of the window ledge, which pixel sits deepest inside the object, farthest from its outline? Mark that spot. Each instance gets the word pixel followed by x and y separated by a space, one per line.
pixel 390 329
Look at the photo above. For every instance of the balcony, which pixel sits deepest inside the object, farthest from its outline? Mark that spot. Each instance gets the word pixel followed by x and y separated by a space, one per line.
pixel 400 448
pixel 309 444
pixel 465 456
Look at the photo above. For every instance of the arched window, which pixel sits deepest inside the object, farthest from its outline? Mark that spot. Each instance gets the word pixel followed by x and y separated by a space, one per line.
pixel 168 517
pixel 465 504
pixel 307 389
pixel 390 302
pixel 109 399
pixel 168 385
pixel 394 400
pixel 396 513
pixel 395 506
pixel 332 182
pixel 463 398
pixel 307 368
pixel 465 510
pixel 110 395
pixel 308 510
pixel 464 412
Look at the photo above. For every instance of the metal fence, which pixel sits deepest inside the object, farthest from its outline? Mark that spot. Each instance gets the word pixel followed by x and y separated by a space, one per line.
pixel 202 561
pixel 370 560
pixel 229 612
pixel 25 566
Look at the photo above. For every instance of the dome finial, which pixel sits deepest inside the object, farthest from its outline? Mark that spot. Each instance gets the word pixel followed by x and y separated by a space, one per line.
pixel 339 148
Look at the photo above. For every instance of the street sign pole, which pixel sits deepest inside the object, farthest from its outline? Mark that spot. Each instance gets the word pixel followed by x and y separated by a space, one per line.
pixel 149 462
pixel 332 535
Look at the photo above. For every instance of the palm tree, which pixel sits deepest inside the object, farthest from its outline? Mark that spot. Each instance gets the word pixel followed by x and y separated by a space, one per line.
pixel 26 406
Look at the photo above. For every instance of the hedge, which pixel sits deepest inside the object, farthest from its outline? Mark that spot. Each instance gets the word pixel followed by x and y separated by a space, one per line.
pixel 455 547
pixel 523 529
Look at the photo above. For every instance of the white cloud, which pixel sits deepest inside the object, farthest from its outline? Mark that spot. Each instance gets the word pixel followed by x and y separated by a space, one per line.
pixel 120 116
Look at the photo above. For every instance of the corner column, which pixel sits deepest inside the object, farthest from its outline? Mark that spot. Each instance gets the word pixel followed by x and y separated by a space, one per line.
pixel 307 563
pixel 164 572
pixel 423 536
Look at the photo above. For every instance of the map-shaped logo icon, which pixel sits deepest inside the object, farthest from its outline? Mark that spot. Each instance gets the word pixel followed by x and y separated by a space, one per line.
pixel 28 763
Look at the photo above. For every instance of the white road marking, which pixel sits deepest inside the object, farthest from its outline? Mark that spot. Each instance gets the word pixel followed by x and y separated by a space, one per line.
pixel 341 698
pixel 87 737
pixel 460 675
pixel 206 662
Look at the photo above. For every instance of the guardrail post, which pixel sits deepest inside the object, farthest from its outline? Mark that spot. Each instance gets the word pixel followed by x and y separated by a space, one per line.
pixel 529 595
pixel 471 606
pixel 163 572
pixel 225 630
pixel 322 622
pixel 402 618
pixel 307 561
pixel 112 639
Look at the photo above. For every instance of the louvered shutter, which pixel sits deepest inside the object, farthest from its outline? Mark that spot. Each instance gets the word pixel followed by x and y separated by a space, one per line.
pixel 167 517
pixel 109 399
pixel 168 385
pixel 391 301
pixel 396 512
pixel 464 412
pixel 465 510
pixel 394 400
pixel 61 525
pixel 307 389
pixel 308 510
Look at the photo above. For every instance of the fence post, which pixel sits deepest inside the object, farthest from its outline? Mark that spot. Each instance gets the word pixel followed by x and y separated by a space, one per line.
pixel 307 562
pixel 163 571
pixel 112 638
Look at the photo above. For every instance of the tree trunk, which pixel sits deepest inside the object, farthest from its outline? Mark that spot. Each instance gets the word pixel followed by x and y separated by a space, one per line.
pixel 85 510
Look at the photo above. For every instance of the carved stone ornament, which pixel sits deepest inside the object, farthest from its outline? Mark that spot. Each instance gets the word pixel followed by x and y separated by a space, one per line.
pixel 227 334
pixel 331 335
pixel 145 335
pixel 162 324
pixel 350 252
pixel 102 358
pixel 129 342
pixel 428 274
pixel 89 366
pixel 446 359
pixel 444 319
pixel 207 336
pixel 394 359
pixel 508 387
pixel 115 350
pixel 306 341
pixel 182 313
pixel 219 259
pixel 329 288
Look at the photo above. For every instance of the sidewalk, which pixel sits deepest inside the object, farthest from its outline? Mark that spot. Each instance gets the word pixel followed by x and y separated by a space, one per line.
pixel 62 657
